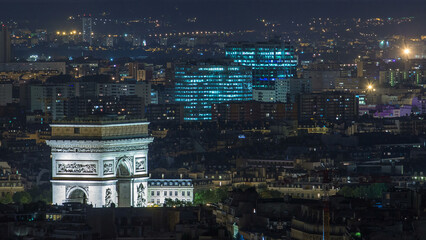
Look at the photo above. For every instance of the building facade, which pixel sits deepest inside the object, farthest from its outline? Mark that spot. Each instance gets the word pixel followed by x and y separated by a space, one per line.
pixel 198 86
pixel 87 30
pixel 5 45
pixel 6 93
pixel 76 98
pixel 165 113
pixel 32 67
pixel 328 106
pixel 10 181
pixel 174 189
pixel 253 111
pixel 270 61
pixel 50 98
pixel 287 90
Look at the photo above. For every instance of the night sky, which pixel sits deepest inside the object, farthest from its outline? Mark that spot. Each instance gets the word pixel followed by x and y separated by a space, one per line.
pixel 210 12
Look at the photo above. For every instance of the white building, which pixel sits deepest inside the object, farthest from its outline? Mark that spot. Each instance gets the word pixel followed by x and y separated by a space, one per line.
pixel 175 189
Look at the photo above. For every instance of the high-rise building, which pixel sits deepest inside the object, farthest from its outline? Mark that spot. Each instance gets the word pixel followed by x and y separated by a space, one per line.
pixel 170 74
pixel 141 71
pixel 254 111
pixel 270 61
pixel 57 98
pixel 50 98
pixel 113 105
pixel 397 76
pixel 322 80
pixel 328 107
pixel 287 90
pixel 368 68
pixel 172 113
pixel 6 89
pixel 200 85
pixel 87 30
pixel 5 46
pixel 109 41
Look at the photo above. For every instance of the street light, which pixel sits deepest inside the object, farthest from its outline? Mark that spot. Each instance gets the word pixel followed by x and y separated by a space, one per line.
pixel 406 51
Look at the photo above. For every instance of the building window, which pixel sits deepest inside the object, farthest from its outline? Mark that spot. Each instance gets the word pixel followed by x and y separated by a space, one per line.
pixel 152 193
pixel 170 193
pixel 176 193
pixel 158 193
pixel 76 130
pixel 183 193
pixel 188 193
pixel 165 193
pixel 158 201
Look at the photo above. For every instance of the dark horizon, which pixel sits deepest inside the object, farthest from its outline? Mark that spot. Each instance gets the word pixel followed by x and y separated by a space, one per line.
pixel 43 10
pixel 211 14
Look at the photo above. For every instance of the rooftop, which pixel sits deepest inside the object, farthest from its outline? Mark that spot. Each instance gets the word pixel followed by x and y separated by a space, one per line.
pixel 99 120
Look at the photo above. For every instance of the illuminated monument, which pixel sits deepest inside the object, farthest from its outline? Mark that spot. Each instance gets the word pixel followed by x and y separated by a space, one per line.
pixel 100 162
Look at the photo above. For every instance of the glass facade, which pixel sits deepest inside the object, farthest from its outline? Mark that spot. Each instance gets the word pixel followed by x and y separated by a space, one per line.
pixel 199 86
pixel 269 61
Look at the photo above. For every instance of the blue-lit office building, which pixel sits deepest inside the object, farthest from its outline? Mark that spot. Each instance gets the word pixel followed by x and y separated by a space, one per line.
pixel 199 85
pixel 269 61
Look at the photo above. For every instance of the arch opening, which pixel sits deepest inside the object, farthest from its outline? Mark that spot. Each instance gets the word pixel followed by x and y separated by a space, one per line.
pixel 77 195
pixel 123 169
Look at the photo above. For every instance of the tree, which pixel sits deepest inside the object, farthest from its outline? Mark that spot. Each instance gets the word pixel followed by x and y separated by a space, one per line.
pixel 372 191
pixel 270 194
pixel 41 193
pixel 186 236
pixel 211 196
pixel 203 197
pixel 6 199
pixel 221 194
pixel 22 197
pixel 168 202
pixel 376 190
pixel 346 191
